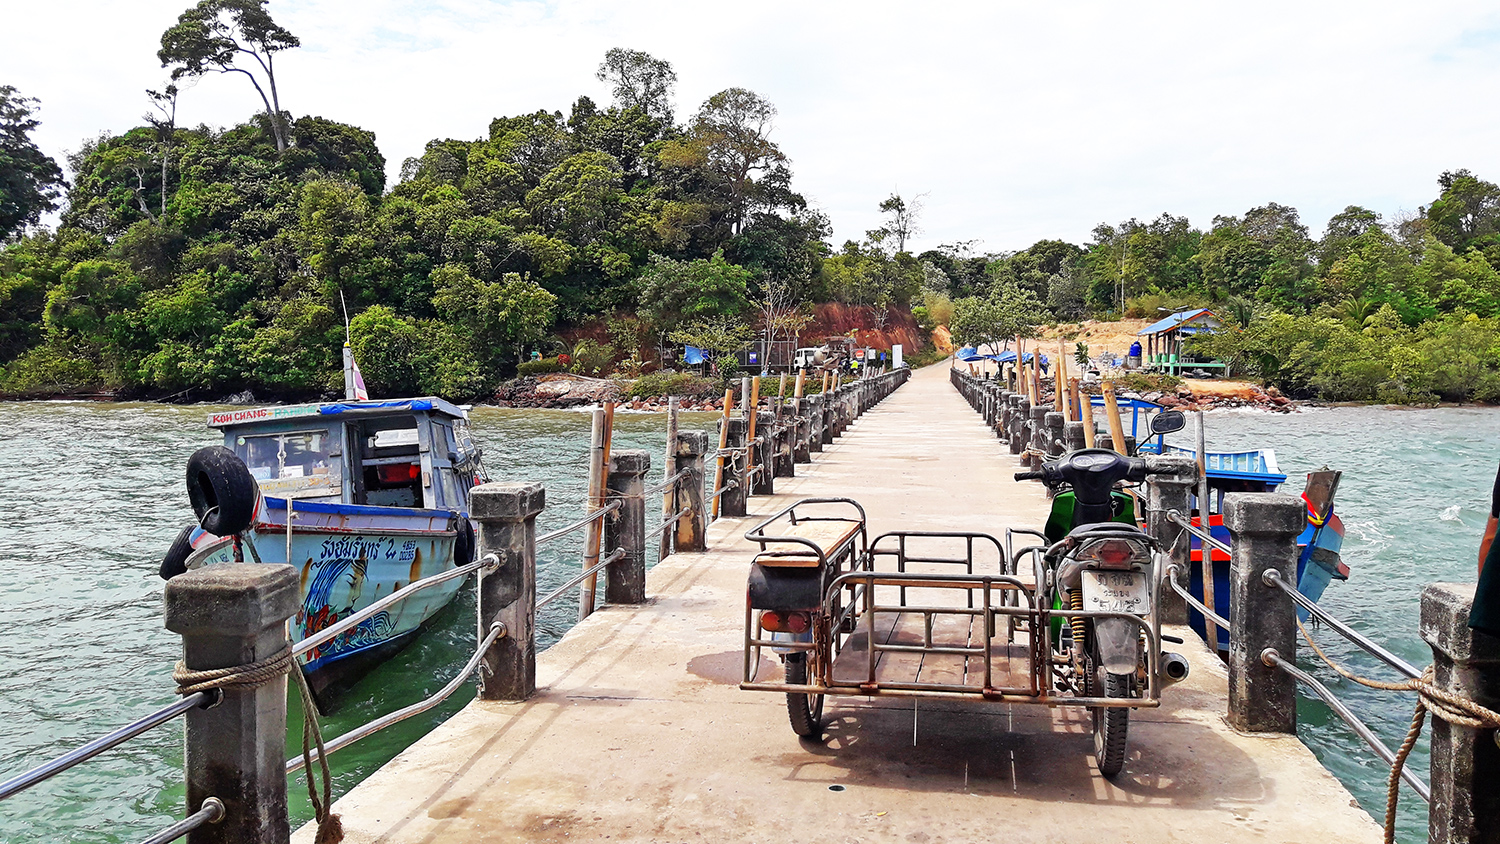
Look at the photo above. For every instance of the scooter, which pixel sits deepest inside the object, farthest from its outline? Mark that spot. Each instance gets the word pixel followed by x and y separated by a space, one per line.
pixel 1103 578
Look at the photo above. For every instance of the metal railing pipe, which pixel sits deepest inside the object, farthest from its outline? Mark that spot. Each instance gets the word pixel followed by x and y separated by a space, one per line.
pixel 48 770
pixel 1187 525
pixel 212 811
pixel 1172 572
pixel 580 524
pixel 344 625
pixel 580 577
pixel 1273 578
pixel 1271 657
pixel 496 631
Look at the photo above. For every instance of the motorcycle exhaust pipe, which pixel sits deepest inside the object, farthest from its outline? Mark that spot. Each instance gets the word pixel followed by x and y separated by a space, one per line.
pixel 1174 668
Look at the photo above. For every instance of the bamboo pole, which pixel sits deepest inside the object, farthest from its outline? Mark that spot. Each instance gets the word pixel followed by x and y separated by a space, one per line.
pixel 1112 410
pixel 669 468
pixel 752 409
pixel 800 386
pixel 1086 405
pixel 1210 632
pixel 1075 410
pixel 1060 380
pixel 826 373
pixel 598 475
pixel 723 443
pixel 781 388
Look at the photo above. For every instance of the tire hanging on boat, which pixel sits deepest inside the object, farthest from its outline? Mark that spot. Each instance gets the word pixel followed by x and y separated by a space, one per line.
pixel 464 543
pixel 174 562
pixel 222 491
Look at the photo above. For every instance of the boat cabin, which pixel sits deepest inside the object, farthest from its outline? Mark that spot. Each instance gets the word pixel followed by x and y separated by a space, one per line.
pixel 414 453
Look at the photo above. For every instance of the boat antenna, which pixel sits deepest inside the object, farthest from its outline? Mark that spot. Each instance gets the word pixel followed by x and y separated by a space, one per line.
pixel 345 306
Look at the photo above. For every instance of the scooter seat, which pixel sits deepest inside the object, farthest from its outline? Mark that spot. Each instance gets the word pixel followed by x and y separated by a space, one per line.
pixel 1106 527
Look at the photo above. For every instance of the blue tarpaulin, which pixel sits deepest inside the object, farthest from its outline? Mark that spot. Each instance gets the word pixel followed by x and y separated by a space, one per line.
pixel 692 355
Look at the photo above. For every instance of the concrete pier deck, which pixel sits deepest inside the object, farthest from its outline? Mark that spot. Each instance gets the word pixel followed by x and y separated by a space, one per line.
pixel 639 733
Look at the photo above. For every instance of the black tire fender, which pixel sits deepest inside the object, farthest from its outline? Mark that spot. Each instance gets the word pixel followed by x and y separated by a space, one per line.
pixel 222 491
pixel 464 544
pixel 174 562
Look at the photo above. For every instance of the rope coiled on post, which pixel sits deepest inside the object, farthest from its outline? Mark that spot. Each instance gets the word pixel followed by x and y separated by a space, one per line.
pixel 250 675
pixel 1455 709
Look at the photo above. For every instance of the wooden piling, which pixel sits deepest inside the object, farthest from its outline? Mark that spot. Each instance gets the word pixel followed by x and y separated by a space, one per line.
pixel 669 468
pixel 1210 631
pixel 1086 409
pixel 1112 412
pixel 723 443
pixel 604 419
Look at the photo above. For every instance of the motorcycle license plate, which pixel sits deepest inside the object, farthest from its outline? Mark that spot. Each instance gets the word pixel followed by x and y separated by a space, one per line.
pixel 1116 591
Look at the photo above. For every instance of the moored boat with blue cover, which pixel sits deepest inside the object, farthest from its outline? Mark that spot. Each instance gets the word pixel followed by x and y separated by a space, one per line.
pixel 378 494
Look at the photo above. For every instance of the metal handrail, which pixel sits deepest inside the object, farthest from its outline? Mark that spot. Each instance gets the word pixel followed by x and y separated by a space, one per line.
pixel 1271 657
pixel 1177 518
pixel 582 576
pixel 344 625
pixel 1194 602
pixel 666 482
pixel 581 523
pixel 668 522
pixel 1272 577
pixel 496 631
pixel 52 768
pixel 211 811
pixel 725 488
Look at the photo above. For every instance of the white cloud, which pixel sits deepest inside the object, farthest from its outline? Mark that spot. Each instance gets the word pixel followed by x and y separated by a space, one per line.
pixel 1020 121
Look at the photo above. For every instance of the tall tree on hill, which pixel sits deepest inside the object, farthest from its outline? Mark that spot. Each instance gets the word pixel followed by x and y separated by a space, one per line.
pixel 639 80
pixel 901 222
pixel 733 128
pixel 213 35
pixel 29 179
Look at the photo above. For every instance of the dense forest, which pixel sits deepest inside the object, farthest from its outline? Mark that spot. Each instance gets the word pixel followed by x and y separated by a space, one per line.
pixel 192 261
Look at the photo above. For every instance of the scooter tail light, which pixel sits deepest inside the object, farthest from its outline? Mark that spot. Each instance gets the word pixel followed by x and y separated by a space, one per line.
pixel 1113 554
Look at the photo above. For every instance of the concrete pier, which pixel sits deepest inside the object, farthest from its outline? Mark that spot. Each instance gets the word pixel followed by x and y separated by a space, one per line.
pixel 638 732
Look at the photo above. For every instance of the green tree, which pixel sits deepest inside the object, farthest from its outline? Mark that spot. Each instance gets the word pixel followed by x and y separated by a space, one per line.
pixel 638 80
pixel 30 181
pixel 212 37
pixel 901 220
pixel 674 292
pixel 733 128
pixel 1007 311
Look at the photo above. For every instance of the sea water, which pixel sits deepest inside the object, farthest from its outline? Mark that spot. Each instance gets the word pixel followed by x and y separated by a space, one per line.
pixel 90 495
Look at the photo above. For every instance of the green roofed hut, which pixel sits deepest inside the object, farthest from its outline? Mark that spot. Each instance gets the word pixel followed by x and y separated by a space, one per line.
pixel 1164 340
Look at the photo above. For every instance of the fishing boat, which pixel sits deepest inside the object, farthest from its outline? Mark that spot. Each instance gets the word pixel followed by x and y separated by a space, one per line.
pixel 362 497
pixel 1319 545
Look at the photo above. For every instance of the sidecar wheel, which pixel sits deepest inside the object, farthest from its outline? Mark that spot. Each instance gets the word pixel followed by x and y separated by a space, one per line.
pixel 805 711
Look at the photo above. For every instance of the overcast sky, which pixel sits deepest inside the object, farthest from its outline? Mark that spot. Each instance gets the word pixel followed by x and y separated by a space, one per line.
pixel 1018 121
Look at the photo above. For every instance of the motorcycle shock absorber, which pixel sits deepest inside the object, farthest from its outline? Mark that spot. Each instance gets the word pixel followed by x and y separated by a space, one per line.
pixel 1075 602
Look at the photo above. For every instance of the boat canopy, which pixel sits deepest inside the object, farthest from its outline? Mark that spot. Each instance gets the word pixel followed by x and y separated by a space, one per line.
pixel 252 415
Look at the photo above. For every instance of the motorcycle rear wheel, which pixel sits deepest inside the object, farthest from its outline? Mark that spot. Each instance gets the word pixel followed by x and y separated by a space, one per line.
pixel 803 710
pixel 1111 723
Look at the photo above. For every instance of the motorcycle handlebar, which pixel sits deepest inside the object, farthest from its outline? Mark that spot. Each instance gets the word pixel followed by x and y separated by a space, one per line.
pixel 1028 476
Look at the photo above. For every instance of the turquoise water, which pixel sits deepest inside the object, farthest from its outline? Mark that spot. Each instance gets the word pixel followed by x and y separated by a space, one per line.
pixel 1414 499
pixel 92 494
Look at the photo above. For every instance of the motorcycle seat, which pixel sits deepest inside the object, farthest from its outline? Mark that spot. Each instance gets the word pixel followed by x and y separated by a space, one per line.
pixel 1106 527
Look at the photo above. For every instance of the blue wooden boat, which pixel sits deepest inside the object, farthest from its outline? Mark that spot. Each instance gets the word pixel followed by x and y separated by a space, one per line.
pixel 379 497
pixel 1318 563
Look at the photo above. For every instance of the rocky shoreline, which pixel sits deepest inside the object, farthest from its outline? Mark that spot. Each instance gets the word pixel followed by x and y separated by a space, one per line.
pixel 565 391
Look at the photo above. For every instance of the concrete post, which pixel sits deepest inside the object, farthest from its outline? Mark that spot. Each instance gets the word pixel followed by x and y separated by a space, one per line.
pixel 1053 429
pixel 1465 806
pixel 1038 431
pixel 505 517
pixel 802 432
pixel 625 578
pixel 692 528
pixel 1263 528
pixel 1020 417
pixel 230 615
pixel 732 502
pixel 815 423
pixel 1073 436
pixel 764 482
pixel 830 416
pixel 1107 441
pixel 781 456
pixel 1164 493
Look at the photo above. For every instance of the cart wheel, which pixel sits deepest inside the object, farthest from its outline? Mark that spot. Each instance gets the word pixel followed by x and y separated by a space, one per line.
pixel 1111 723
pixel 805 711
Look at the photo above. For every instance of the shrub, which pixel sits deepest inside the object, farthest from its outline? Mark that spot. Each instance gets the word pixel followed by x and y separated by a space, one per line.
pixel 681 384
pixel 1145 382
pixel 540 367
pixel 591 357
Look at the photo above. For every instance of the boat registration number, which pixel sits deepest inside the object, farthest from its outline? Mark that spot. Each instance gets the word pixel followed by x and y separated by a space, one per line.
pixel 1116 591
